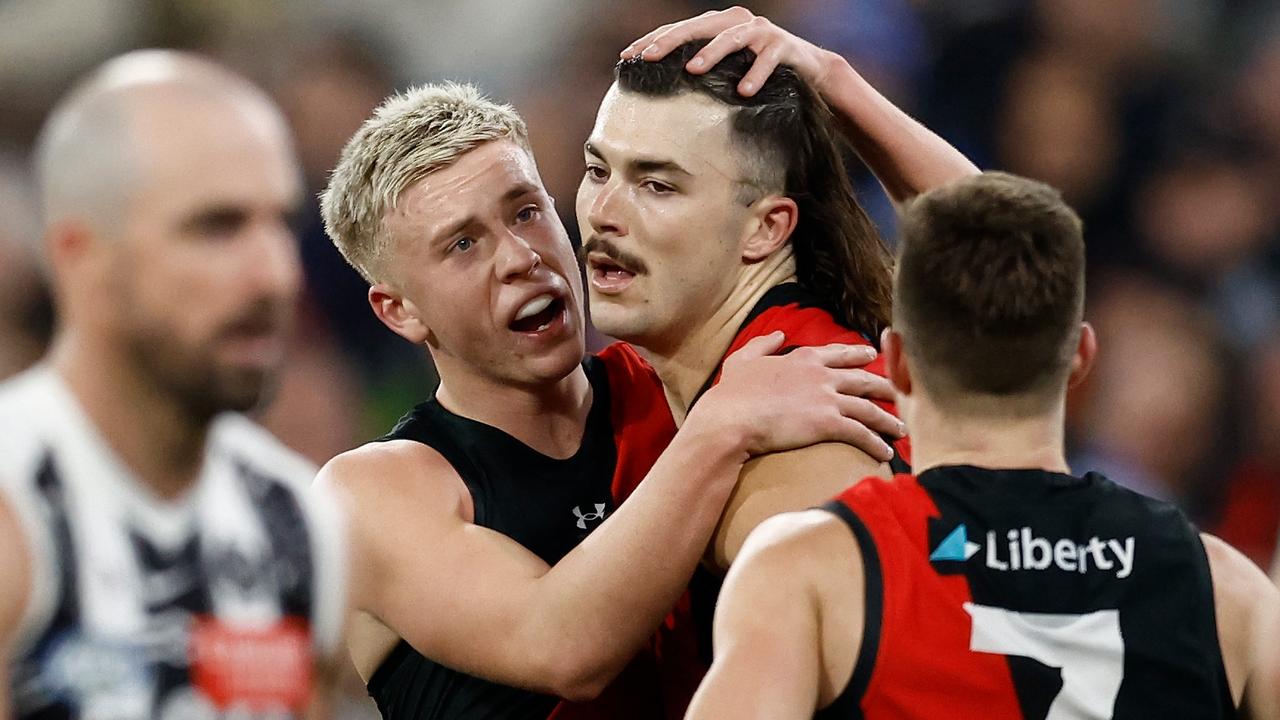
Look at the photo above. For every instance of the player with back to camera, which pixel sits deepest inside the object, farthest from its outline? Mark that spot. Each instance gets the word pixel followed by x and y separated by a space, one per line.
pixel 162 557
pixel 992 583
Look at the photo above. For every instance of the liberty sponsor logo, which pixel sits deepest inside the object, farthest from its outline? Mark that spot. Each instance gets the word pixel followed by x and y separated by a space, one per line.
pixel 594 517
pixel 955 546
pixel 1021 549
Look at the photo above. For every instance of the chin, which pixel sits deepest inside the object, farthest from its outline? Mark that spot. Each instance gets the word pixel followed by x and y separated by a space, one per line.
pixel 244 390
pixel 553 367
pixel 621 324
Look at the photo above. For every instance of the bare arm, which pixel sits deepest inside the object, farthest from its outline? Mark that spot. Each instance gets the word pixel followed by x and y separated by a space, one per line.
pixel 1247 606
pixel 786 482
pixel 905 156
pixel 787 624
pixel 477 601
pixel 334 674
pixel 15 581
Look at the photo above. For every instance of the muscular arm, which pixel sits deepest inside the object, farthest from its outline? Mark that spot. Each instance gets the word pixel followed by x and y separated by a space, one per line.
pixel 15 581
pixel 788 624
pixel 1247 607
pixel 785 482
pixel 905 156
pixel 479 602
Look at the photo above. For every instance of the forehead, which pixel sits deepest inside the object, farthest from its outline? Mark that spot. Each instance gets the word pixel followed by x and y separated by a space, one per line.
pixel 476 183
pixel 192 151
pixel 690 129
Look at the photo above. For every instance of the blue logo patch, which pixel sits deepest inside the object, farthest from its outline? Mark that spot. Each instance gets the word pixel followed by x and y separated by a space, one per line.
pixel 955 547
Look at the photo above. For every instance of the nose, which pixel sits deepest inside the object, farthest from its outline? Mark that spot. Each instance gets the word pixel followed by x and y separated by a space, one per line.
pixel 604 213
pixel 515 257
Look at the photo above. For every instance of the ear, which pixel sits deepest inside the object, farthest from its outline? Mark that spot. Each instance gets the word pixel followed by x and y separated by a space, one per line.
pixel 1086 351
pixel 773 220
pixel 398 313
pixel 67 244
pixel 895 361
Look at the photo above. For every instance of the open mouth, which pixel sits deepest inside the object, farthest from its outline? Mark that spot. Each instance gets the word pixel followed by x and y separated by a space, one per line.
pixel 538 315
pixel 608 276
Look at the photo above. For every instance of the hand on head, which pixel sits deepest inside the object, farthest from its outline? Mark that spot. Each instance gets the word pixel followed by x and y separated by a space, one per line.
pixel 730 31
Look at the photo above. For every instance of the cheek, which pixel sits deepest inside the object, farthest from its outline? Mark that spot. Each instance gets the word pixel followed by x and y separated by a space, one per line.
pixel 582 202
pixel 456 307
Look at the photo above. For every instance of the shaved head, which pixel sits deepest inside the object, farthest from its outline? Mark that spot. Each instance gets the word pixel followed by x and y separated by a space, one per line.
pixel 92 152
pixel 167 183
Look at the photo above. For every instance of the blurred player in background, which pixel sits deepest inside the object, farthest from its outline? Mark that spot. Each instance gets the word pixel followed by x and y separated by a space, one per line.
pixel 501 576
pixel 161 559
pixel 993 583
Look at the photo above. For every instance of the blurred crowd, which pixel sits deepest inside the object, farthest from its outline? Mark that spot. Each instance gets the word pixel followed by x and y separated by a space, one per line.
pixel 1158 119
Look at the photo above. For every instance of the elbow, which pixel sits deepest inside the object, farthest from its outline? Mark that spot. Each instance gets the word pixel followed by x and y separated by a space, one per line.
pixel 577 681
pixel 578 674
pixel 581 689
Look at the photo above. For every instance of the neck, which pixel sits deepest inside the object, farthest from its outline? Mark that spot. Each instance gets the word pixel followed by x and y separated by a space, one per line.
pixel 549 418
pixel 153 433
pixel 687 361
pixel 947 438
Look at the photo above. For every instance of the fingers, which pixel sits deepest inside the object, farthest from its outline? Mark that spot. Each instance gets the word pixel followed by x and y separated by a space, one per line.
pixel 730 31
pixel 837 355
pixel 875 418
pixel 727 42
pixel 852 432
pixel 767 61
pixel 656 44
pixel 756 347
pixel 643 42
pixel 864 384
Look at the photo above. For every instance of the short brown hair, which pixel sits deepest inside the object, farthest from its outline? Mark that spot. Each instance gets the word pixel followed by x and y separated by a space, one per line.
pixel 989 291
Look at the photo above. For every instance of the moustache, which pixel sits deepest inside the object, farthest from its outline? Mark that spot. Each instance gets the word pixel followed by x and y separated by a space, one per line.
pixel 616 255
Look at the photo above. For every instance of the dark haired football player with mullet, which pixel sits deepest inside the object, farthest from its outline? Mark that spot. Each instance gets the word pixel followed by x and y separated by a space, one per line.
pixel 715 207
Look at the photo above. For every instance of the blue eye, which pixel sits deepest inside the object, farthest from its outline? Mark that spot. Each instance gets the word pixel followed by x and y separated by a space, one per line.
pixel 462 244
pixel 527 213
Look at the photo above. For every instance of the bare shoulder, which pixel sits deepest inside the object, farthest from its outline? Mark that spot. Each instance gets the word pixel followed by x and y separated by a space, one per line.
pixel 391 470
pixel 395 492
pixel 1244 600
pixel 797 544
pixel 1238 584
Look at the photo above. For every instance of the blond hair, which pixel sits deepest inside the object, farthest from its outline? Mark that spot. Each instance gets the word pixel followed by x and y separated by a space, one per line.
pixel 410 136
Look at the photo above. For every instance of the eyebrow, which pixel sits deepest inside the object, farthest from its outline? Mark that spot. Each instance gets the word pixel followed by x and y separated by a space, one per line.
pixel 215 213
pixel 643 164
pixel 515 191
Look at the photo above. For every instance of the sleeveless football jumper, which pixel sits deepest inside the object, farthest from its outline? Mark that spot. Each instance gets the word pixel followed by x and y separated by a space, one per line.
pixel 1029 594
pixel 218 603
pixel 548 505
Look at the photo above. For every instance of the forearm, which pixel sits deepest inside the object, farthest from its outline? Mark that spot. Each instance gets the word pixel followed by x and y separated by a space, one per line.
pixel 601 601
pixel 906 157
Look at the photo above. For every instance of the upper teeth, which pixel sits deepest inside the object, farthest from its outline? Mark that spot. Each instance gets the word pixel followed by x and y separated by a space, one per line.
pixel 534 306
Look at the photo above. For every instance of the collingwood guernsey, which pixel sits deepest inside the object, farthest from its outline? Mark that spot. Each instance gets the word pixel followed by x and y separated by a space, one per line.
pixel 215 604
